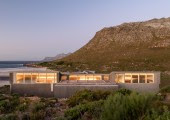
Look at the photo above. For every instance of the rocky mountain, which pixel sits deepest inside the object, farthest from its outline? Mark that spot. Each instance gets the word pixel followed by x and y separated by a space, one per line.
pixel 57 57
pixel 129 46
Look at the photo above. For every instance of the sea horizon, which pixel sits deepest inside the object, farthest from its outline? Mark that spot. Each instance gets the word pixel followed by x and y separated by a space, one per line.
pixel 14 64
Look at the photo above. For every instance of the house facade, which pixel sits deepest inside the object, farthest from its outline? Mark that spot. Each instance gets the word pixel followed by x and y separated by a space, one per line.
pixel 63 85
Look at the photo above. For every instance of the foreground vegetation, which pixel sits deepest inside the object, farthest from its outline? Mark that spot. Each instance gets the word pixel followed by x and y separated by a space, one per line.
pixel 87 105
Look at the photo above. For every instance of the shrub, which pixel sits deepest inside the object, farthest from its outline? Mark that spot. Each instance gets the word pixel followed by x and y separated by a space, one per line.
pixel 84 96
pixel 132 107
pixel 49 101
pixel 124 91
pixel 26 116
pixel 38 106
pixel 22 107
pixel 61 118
pixel 5 89
pixel 39 115
pixel 155 115
pixel 4 106
pixel 92 108
pixel 165 89
pixel 2 97
pixel 9 117
pixel 60 62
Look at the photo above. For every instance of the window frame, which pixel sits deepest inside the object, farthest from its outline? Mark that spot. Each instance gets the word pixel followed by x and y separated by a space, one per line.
pixel 37 74
pixel 138 74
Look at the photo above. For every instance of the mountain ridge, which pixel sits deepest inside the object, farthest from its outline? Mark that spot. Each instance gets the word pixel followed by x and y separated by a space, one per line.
pixel 57 57
pixel 129 46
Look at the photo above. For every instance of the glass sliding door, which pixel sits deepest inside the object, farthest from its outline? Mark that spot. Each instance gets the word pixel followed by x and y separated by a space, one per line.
pixel 27 77
pixel 20 78
pixel 119 78
pixel 42 78
pixel 134 78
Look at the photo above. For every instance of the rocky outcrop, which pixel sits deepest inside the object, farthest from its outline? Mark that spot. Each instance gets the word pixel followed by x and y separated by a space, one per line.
pixel 129 46
pixel 57 57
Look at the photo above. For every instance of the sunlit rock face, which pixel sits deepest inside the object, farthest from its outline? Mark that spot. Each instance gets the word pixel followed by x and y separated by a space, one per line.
pixel 136 41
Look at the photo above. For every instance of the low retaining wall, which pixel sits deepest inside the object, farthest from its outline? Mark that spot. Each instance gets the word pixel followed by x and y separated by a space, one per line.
pixel 65 91
pixel 42 90
pixel 141 87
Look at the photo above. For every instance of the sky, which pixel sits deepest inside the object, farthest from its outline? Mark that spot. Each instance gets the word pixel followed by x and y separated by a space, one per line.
pixel 34 29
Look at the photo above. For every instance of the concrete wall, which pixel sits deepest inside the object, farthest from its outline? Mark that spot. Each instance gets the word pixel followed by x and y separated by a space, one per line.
pixel 141 87
pixel 42 90
pixel 65 91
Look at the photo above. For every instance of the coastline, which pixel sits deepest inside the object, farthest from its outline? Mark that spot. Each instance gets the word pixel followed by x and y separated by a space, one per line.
pixel 4 73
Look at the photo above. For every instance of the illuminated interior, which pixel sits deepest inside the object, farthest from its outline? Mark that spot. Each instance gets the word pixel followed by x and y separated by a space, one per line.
pixel 87 77
pixel 20 78
pixel 106 77
pixel 36 78
pixel 134 78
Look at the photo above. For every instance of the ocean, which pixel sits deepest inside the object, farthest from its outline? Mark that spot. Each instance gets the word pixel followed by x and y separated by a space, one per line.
pixel 8 66
pixel 14 64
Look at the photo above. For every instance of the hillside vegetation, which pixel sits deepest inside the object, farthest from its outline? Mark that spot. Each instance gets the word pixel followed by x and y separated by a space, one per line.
pixel 136 46
pixel 130 46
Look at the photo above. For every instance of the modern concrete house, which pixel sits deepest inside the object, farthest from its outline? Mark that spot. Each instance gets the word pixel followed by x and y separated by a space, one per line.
pixel 63 85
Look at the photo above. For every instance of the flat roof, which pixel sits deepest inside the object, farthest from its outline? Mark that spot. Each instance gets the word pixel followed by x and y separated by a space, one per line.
pixel 35 71
pixel 135 72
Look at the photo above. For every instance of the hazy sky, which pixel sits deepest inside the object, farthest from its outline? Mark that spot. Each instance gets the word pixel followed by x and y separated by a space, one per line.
pixel 33 29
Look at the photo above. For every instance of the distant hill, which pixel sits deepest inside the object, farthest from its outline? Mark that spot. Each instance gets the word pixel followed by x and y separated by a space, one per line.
pixel 57 57
pixel 129 46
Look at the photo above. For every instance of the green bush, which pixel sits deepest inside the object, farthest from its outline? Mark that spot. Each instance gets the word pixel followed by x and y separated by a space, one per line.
pixel 165 89
pixel 5 89
pixel 2 97
pixel 92 108
pixel 26 116
pixel 39 115
pixel 60 62
pixel 132 107
pixel 22 107
pixel 155 115
pixel 49 101
pixel 8 103
pixel 5 106
pixel 84 96
pixel 9 117
pixel 124 91
pixel 38 106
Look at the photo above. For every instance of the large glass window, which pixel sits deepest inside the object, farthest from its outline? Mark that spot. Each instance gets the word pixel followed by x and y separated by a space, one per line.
pixel 34 77
pixel 89 77
pixel 27 77
pixel 134 78
pixel 128 78
pixel 19 78
pixel 86 77
pixel 64 77
pixel 50 77
pixel 119 78
pixel 97 77
pixel 142 78
pixel 81 77
pixel 106 77
pixel 42 78
pixel 73 77
pixel 150 78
